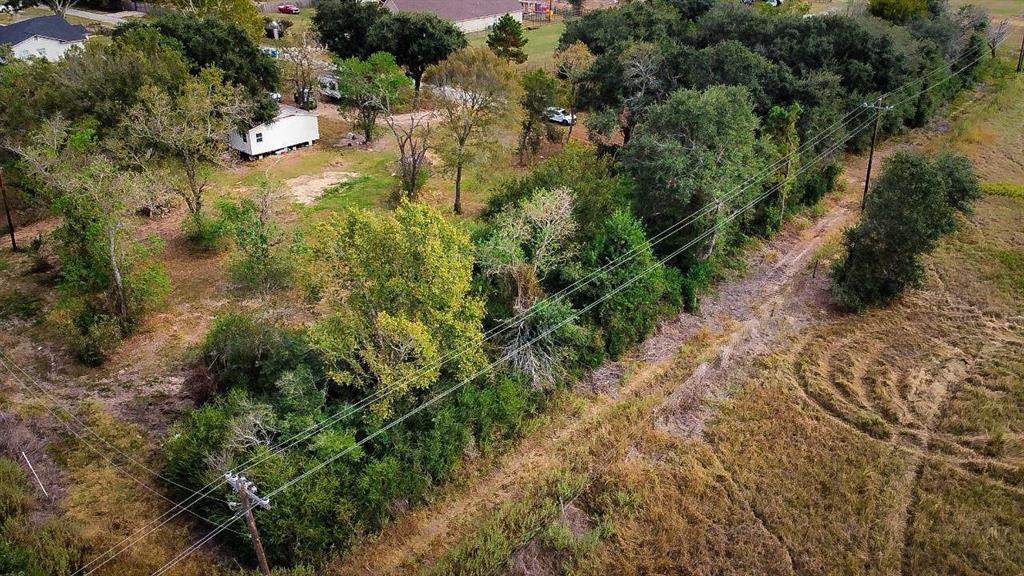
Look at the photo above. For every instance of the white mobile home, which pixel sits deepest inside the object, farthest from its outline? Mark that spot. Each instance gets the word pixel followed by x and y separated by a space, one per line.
pixel 291 129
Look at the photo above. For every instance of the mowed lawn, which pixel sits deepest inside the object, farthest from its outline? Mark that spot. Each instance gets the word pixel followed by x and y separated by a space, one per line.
pixel 541 39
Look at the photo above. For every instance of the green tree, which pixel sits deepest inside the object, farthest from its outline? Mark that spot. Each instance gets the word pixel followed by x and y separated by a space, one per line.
pixel 474 92
pixel 540 91
pixel 898 11
pixel 190 127
pixel 507 39
pixel 687 155
pixel 211 42
pixel 417 40
pixel 780 142
pixel 371 87
pixel 574 63
pixel 344 26
pixel 104 79
pixel 597 189
pixel 399 286
pixel 620 253
pixel 258 263
pixel 108 279
pixel 237 13
pixel 908 209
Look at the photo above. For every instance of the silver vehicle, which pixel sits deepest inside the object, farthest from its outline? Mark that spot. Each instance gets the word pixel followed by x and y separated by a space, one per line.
pixel 560 116
pixel 329 86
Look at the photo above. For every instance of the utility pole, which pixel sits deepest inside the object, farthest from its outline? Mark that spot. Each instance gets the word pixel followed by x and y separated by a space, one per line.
pixel 247 494
pixel 877 106
pixel 7 209
pixel 1020 59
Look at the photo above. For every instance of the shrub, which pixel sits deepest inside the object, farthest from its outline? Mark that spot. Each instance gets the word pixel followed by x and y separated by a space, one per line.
pixel 498 408
pixel 257 263
pixel 15 498
pixel 204 233
pixel 813 185
pixel 192 441
pixel 243 349
pixel 16 304
pixel 696 280
pixel 908 210
pixel 898 11
pixel 962 185
pixel 97 335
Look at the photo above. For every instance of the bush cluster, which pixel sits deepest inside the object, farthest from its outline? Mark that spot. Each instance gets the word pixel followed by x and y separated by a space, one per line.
pixel 910 207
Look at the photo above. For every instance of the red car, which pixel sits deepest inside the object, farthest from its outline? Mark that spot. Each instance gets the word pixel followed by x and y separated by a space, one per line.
pixel 288 9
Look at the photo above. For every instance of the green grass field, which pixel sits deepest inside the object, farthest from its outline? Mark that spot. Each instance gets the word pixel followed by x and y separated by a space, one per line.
pixel 541 43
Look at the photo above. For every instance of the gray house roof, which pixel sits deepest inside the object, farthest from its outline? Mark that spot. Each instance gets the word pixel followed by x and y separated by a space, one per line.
pixel 53 27
pixel 457 10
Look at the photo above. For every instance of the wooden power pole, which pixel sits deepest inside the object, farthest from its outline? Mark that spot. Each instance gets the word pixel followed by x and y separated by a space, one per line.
pixel 877 106
pixel 7 209
pixel 1020 59
pixel 249 500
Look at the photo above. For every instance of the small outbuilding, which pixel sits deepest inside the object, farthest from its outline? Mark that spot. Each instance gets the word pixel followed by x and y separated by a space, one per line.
pixel 46 37
pixel 292 128
pixel 468 15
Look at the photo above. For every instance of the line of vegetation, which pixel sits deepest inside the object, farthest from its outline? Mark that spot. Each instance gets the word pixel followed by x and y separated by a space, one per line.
pixel 685 101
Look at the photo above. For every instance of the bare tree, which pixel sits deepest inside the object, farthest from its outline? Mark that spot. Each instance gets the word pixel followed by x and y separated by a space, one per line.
pixel 413 139
pixel 643 66
pixel 996 35
pixel 303 62
pixel 253 426
pixel 529 242
pixel 59 7
pixel 574 63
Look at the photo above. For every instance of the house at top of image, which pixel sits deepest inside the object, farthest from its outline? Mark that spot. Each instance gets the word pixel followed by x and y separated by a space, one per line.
pixel 468 15
pixel 43 37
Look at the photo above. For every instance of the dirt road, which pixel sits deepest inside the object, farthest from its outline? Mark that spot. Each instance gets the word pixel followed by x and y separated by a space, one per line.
pixel 780 293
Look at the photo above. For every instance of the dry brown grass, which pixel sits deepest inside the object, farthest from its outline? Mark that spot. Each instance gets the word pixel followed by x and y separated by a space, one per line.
pixel 885 443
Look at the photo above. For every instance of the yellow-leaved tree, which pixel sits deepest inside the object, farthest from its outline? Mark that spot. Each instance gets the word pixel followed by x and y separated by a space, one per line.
pixel 398 290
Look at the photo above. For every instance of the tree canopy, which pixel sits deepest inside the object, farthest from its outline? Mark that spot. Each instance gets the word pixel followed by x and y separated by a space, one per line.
pixel 372 87
pixel 399 286
pixel 344 26
pixel 909 207
pixel 206 42
pixel 507 39
pixel 689 153
pixel 417 40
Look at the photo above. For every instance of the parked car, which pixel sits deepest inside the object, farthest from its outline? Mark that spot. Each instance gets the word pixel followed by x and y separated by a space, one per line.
pixel 329 86
pixel 288 9
pixel 560 116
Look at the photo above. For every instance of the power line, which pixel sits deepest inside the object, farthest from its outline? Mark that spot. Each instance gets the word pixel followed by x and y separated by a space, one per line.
pixel 348 411
pixel 6 363
pixel 450 390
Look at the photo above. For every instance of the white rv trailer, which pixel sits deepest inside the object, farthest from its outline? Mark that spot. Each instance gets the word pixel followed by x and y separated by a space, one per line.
pixel 292 128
